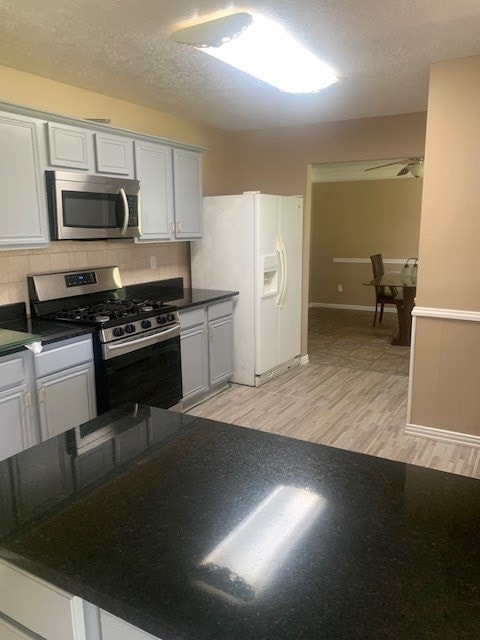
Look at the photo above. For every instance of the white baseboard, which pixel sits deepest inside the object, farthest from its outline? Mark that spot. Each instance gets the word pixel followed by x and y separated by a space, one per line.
pixel 453 437
pixel 304 359
pixel 352 307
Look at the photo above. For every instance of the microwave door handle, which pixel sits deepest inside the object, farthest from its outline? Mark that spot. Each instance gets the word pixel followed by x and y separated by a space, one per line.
pixel 123 196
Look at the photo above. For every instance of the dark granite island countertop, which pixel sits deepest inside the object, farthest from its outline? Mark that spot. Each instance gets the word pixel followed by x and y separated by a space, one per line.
pixel 197 530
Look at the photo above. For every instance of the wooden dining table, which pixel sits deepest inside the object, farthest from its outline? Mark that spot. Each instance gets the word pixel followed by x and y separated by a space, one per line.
pixel 405 301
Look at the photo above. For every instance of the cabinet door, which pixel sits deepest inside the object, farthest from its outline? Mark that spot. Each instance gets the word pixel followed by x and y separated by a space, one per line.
pixel 194 360
pixel 23 220
pixel 187 176
pixel 69 146
pixel 220 348
pixel 15 421
pixel 114 154
pixel 66 399
pixel 153 164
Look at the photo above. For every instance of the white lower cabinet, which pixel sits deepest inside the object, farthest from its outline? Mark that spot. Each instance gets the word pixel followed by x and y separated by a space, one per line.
pixel 38 606
pixel 220 341
pixel 66 399
pixel 65 386
pixel 33 609
pixel 17 418
pixel 207 348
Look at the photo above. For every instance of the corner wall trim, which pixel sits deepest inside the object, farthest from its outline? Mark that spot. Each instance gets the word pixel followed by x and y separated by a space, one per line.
pixel 353 307
pixel 446 314
pixel 453 437
pixel 367 260
pixel 304 359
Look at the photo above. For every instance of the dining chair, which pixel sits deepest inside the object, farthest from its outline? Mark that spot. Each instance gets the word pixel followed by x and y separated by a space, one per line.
pixel 381 296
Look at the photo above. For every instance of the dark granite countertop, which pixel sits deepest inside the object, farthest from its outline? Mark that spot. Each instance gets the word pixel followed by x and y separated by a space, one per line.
pixel 197 297
pixel 198 530
pixel 13 317
pixel 173 292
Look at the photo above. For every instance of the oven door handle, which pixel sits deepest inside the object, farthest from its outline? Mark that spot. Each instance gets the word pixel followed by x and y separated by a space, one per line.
pixel 123 196
pixel 160 336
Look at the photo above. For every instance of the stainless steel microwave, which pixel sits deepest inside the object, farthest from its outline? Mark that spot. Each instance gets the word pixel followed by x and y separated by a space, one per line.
pixel 87 207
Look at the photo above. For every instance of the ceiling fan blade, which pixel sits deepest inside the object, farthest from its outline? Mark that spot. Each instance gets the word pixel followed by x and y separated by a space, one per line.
pixel 390 164
pixel 403 171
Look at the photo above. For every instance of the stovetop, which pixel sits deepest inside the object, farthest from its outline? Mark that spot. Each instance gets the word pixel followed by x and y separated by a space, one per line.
pixel 113 312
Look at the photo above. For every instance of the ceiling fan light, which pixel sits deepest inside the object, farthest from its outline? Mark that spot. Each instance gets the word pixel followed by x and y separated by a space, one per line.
pixel 416 169
pixel 262 49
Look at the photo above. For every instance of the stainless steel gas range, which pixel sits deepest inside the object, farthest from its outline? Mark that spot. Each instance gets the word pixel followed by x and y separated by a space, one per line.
pixel 136 336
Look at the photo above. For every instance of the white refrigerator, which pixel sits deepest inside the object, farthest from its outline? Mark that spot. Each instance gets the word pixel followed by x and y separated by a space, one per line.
pixel 252 243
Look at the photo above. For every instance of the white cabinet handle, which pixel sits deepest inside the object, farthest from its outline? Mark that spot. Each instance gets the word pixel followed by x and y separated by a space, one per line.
pixel 179 227
pixel 41 394
pixel 172 227
pixel 28 399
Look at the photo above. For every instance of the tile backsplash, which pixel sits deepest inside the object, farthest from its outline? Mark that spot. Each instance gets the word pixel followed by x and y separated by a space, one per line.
pixel 172 260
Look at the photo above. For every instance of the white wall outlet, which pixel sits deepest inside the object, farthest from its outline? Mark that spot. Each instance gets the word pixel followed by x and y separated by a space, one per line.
pixel 339 288
pixel 153 262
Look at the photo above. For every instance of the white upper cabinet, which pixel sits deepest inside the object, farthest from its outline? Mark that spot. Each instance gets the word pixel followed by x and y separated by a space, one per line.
pixel 32 142
pixel 170 192
pixel 114 154
pixel 187 180
pixel 24 218
pixel 153 167
pixel 69 147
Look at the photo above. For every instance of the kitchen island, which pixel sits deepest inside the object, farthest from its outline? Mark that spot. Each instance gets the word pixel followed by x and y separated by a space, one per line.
pixel 197 530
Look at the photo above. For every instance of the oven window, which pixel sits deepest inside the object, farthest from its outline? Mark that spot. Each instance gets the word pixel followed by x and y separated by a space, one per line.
pixel 151 375
pixel 90 210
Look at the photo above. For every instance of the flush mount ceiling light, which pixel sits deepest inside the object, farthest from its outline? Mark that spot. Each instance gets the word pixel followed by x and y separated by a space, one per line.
pixel 260 48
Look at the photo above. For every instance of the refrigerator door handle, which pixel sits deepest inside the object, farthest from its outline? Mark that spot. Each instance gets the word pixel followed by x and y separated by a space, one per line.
pixel 285 272
pixel 283 268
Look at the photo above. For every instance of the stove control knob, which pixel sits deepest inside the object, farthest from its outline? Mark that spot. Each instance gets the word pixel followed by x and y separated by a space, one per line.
pixel 161 319
pixel 129 328
pixel 171 317
pixel 146 324
pixel 118 332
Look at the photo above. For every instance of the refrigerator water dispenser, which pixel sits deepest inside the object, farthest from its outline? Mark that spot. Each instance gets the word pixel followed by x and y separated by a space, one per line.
pixel 270 275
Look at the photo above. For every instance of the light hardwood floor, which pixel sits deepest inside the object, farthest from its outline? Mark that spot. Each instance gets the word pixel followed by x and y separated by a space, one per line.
pixel 351 395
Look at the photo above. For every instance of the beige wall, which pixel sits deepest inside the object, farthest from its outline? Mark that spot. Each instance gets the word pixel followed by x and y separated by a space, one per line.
pixel 355 220
pixel 275 160
pixel 278 161
pixel 446 375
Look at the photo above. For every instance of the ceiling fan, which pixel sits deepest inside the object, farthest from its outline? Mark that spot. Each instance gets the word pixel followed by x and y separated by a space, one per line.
pixel 410 165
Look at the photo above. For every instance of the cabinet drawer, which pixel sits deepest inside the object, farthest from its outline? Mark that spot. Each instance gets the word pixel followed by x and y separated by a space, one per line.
pixel 50 612
pixel 63 357
pixel 114 628
pixel 192 317
pixel 12 372
pixel 220 309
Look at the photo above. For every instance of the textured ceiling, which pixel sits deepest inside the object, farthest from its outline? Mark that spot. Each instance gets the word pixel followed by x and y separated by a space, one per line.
pixel 381 49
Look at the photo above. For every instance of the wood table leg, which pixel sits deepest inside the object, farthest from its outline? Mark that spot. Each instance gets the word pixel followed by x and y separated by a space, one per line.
pixel 404 314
